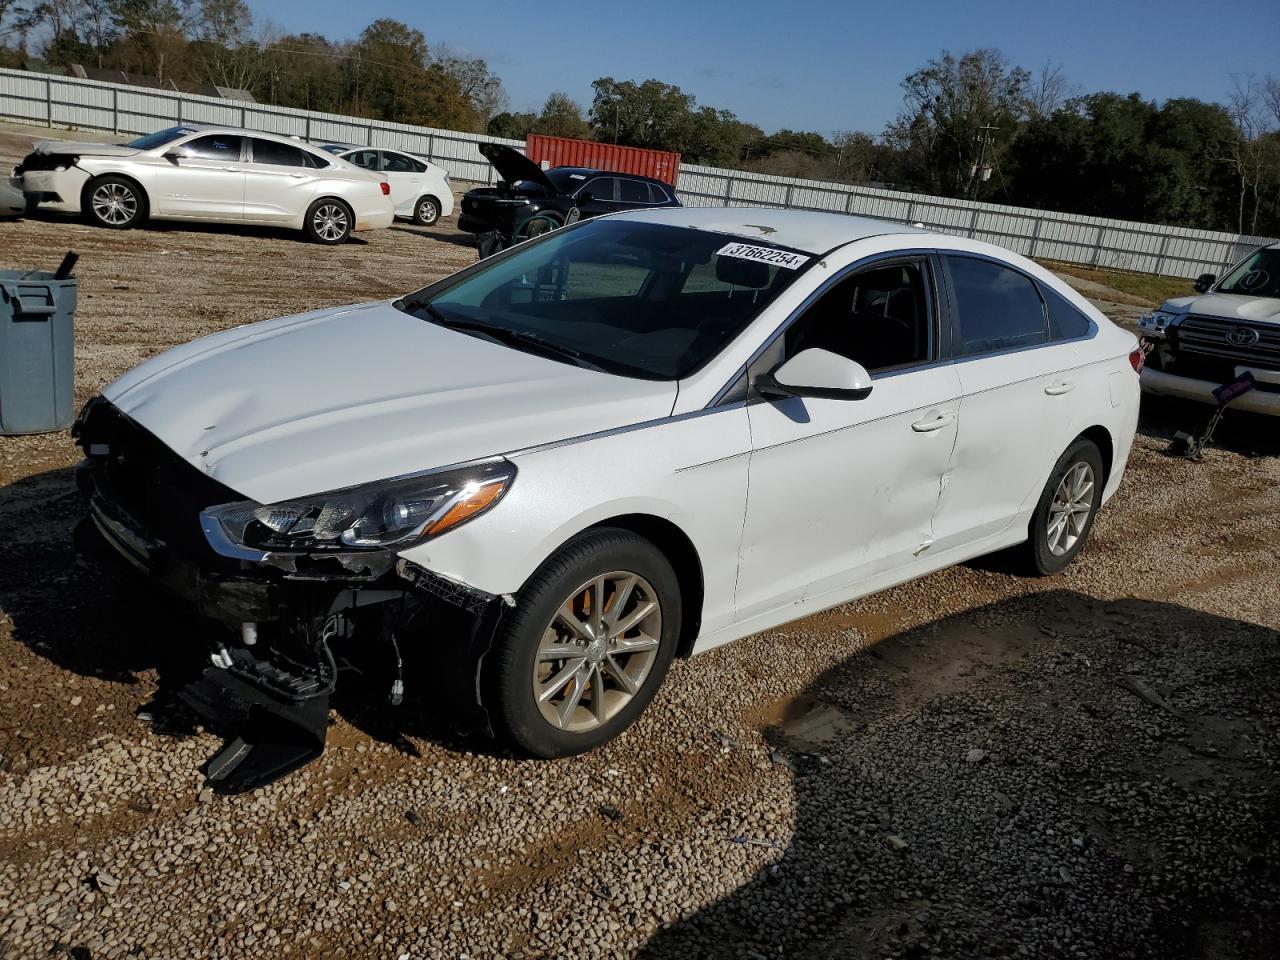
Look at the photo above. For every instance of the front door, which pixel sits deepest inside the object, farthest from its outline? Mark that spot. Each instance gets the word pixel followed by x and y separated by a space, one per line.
pixel 841 490
pixel 598 197
pixel 204 179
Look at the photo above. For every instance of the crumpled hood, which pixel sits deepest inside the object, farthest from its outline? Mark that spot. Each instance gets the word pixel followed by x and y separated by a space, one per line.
pixel 325 400
pixel 76 148
pixel 1229 306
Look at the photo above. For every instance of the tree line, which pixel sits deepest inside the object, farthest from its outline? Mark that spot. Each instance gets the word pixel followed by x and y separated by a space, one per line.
pixel 972 125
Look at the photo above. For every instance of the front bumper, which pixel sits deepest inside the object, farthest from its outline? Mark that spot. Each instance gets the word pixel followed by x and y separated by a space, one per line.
pixel 1160 383
pixel 57 190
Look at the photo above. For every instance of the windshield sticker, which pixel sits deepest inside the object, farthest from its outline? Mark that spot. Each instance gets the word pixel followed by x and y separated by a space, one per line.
pixel 577 176
pixel 746 251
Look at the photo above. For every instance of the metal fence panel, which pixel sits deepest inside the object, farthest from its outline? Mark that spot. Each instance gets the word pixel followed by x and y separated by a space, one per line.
pixel 1090 241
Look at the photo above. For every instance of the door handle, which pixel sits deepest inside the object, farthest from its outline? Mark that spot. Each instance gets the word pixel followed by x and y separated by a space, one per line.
pixel 232 169
pixel 1059 387
pixel 934 423
pixel 297 176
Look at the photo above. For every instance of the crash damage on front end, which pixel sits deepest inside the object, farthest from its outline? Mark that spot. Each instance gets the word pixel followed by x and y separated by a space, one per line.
pixel 300 591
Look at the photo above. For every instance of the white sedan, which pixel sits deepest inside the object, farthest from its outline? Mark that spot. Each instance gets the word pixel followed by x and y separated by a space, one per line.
pixel 215 174
pixel 633 439
pixel 420 190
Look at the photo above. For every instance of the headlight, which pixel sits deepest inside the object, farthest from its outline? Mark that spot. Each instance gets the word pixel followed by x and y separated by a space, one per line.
pixel 1156 321
pixel 390 513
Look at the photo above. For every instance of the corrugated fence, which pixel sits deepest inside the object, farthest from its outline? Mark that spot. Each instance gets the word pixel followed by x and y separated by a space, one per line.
pixel 1090 241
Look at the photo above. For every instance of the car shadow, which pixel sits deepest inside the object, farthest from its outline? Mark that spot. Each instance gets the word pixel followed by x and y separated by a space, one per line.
pixel 185 226
pixel 439 231
pixel 1249 434
pixel 1048 776
pixel 104 620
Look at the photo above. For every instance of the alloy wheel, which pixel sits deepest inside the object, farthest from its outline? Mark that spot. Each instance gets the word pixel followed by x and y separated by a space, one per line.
pixel 330 221
pixel 597 652
pixel 1070 509
pixel 427 212
pixel 114 203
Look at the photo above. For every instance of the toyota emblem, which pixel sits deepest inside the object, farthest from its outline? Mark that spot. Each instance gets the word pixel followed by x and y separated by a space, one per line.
pixel 1242 336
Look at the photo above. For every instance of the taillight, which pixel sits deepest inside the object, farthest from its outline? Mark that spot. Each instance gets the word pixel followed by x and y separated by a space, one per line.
pixel 386 188
pixel 1137 359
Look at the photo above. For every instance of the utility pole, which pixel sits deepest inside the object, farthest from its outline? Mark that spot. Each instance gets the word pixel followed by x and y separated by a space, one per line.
pixel 980 172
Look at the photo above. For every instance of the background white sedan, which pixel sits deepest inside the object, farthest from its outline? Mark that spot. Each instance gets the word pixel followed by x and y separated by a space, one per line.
pixel 420 190
pixel 212 173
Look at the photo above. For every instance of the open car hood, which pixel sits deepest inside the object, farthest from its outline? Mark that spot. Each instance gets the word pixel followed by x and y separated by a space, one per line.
pixel 513 166
pixel 325 400
pixel 82 149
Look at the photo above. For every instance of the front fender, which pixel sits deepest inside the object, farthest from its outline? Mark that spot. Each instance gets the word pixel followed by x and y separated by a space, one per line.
pixel 690 471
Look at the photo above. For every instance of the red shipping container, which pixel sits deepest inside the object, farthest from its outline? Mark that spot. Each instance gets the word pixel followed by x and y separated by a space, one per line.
pixel 564 152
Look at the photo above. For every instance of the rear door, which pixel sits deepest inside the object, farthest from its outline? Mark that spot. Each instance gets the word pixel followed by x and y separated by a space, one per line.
pixel 1014 376
pixel 280 181
pixel 205 182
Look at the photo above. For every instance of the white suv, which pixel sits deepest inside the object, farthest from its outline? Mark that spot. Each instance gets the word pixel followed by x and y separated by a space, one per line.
pixel 631 439
pixel 1231 327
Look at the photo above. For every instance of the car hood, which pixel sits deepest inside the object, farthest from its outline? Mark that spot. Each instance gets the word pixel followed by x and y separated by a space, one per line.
pixel 513 166
pixel 1228 306
pixel 325 400
pixel 76 148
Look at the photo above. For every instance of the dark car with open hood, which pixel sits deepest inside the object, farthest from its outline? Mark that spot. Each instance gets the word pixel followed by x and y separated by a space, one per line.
pixel 529 201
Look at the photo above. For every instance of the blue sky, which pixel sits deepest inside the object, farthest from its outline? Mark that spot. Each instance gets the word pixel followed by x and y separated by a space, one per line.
pixel 822 65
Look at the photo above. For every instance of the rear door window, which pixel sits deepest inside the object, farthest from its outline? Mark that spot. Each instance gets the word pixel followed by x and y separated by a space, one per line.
pixel 393 162
pixel 999 308
pixel 214 147
pixel 657 194
pixel 633 191
pixel 277 154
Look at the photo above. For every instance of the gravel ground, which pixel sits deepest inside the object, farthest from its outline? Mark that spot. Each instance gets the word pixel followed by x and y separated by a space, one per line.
pixel 975 764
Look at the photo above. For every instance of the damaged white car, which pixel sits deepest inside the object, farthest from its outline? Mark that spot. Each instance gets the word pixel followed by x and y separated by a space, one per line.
pixel 1228 333
pixel 221 175
pixel 633 439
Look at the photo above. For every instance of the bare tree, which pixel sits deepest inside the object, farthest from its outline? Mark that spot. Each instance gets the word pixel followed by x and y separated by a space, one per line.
pixel 1048 90
pixel 1252 149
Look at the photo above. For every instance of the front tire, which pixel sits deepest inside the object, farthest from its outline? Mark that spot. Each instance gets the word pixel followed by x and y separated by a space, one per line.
pixel 426 212
pixel 589 643
pixel 1066 510
pixel 116 203
pixel 538 224
pixel 329 222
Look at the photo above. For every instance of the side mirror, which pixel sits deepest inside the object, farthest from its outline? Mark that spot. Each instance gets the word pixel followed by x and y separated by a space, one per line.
pixel 174 154
pixel 816 373
pixel 1204 282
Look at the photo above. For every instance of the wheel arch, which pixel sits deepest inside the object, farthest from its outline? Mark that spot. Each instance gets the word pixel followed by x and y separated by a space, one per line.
pixel 138 185
pixel 680 552
pixel 1101 438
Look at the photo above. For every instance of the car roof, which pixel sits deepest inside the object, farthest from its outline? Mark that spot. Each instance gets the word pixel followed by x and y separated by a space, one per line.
pixel 811 231
pixel 353 147
pixel 594 172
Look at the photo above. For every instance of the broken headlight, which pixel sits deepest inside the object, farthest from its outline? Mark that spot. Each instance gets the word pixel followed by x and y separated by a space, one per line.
pixel 390 513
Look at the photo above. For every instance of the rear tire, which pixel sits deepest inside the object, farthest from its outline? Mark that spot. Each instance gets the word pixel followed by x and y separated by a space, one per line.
pixel 116 203
pixel 426 211
pixel 329 222
pixel 1066 510
pixel 570 670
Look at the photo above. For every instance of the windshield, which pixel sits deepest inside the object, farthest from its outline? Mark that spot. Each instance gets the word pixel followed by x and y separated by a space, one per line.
pixel 1257 275
pixel 159 138
pixel 566 181
pixel 637 299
